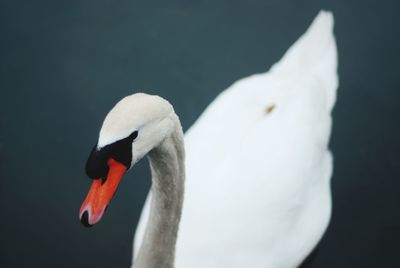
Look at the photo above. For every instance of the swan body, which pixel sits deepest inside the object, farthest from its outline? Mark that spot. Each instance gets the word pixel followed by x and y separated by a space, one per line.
pixel 258 168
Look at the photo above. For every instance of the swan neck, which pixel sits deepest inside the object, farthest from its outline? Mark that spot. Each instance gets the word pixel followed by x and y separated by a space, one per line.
pixel 168 176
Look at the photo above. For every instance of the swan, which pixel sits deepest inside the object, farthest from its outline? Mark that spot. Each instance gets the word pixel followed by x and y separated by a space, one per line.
pixel 257 163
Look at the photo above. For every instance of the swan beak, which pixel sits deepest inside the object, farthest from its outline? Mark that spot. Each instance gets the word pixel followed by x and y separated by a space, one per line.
pixel 101 193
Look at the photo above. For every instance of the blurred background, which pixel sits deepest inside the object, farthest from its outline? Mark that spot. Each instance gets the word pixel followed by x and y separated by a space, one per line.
pixel 64 64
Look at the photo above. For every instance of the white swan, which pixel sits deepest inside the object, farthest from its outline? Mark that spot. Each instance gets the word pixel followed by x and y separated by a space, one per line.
pixel 257 163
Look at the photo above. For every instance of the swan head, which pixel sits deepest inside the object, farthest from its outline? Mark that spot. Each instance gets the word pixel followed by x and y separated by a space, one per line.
pixel 137 124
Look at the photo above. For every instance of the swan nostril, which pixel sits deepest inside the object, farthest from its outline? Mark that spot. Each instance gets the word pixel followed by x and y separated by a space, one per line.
pixel 85 219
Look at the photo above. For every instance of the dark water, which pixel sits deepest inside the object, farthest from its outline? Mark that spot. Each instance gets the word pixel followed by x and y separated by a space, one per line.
pixel 63 64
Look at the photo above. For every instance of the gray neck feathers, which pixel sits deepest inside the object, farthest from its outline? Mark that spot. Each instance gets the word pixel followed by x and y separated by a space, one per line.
pixel 168 177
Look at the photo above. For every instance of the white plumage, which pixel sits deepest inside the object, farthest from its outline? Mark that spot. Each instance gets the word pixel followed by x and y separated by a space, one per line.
pixel 258 167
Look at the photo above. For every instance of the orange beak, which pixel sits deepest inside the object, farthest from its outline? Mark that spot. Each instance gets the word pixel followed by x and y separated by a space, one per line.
pixel 101 193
